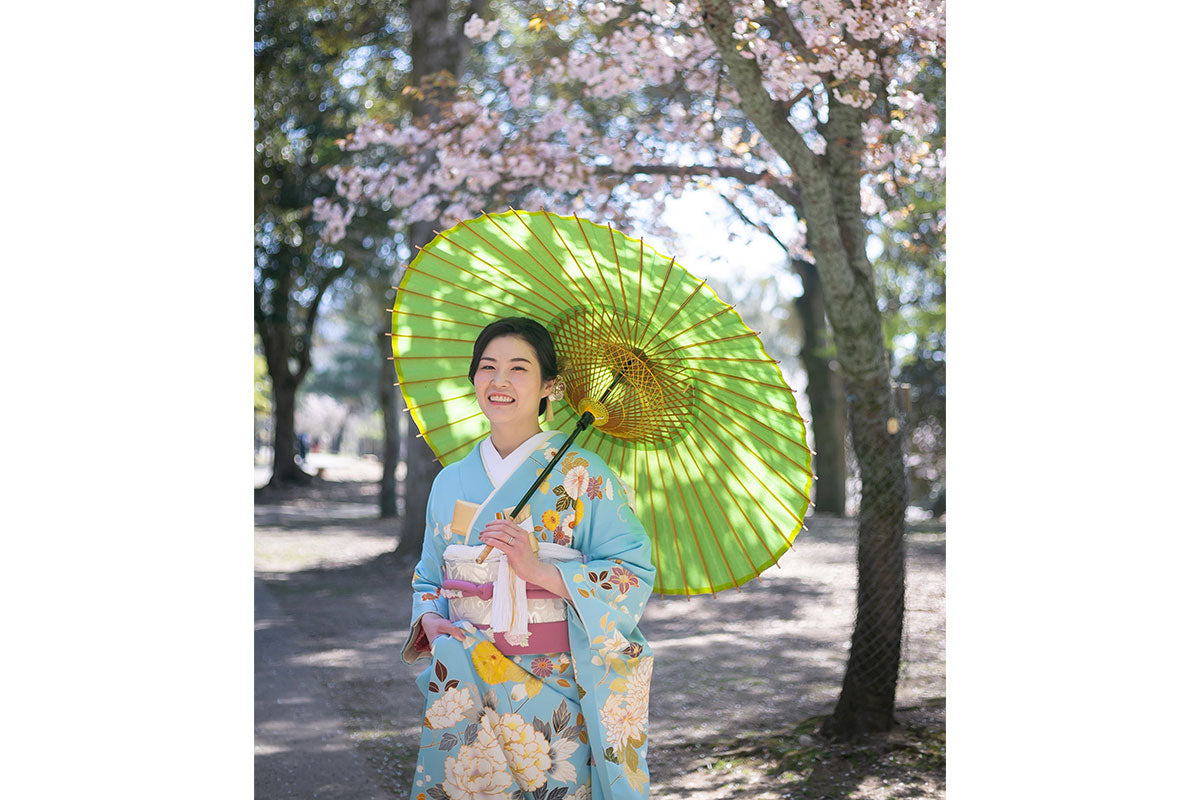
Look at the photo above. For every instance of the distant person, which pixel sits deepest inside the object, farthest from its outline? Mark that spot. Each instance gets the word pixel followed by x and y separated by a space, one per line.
pixel 302 447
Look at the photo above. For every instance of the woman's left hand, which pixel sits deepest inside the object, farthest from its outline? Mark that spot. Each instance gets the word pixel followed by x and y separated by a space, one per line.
pixel 511 539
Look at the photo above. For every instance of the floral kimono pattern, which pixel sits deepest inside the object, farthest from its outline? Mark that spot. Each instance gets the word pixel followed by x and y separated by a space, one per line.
pixel 554 726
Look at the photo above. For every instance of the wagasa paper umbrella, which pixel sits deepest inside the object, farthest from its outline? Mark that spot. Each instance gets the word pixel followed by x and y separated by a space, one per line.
pixel 664 381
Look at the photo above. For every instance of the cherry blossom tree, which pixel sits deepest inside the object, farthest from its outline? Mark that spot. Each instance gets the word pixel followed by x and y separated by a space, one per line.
pixel 804 106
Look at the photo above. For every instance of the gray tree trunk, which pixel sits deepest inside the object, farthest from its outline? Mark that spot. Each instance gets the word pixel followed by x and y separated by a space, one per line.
pixel 438 45
pixel 389 404
pixel 281 344
pixel 829 189
pixel 826 394
pixel 285 469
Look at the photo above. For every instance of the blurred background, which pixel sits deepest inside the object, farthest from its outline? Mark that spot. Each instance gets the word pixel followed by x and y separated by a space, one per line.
pixel 790 153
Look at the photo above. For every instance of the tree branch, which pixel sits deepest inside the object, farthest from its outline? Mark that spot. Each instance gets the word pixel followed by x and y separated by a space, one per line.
pixel 761 226
pixel 788 28
pixel 785 192
pixel 768 115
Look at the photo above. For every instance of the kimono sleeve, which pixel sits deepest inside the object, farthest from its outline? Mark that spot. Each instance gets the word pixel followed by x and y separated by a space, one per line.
pixel 610 588
pixel 427 584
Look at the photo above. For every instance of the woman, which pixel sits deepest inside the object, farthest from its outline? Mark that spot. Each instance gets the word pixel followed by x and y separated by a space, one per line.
pixel 538 683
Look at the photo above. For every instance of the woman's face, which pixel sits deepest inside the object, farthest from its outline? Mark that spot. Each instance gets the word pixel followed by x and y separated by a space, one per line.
pixel 508 381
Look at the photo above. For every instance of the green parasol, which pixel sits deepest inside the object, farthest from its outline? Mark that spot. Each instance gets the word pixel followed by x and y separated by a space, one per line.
pixel 688 408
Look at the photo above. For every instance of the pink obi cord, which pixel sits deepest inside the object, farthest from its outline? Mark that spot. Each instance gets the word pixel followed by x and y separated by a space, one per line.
pixel 544 637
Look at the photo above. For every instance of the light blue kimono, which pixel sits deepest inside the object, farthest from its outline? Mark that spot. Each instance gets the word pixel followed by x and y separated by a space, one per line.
pixel 558 726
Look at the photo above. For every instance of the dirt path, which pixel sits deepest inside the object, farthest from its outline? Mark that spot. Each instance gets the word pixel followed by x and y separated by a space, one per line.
pixel 734 675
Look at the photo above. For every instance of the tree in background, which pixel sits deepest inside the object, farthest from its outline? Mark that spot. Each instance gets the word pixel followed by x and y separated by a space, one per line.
pixel 302 49
pixel 792 100
pixel 346 341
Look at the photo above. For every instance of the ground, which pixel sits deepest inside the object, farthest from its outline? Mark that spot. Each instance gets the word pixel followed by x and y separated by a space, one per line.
pixel 338 712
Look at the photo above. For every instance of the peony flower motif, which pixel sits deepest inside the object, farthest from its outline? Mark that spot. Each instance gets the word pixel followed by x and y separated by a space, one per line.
pixel 621 721
pixel 487 741
pixel 492 666
pixel 517 639
pixel 450 708
pixel 473 776
pixel 562 537
pixel 623 578
pixel 526 749
pixel 542 667
pixel 637 685
pixel 582 793
pixel 550 519
pixel 593 488
pixel 576 482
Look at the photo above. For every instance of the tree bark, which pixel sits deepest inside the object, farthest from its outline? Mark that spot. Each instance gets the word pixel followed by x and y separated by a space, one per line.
pixel 829 191
pixel 285 469
pixel 826 394
pixel 438 45
pixel 421 464
pixel 391 425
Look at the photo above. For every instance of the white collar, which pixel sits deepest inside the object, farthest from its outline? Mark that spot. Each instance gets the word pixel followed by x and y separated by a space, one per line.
pixel 500 469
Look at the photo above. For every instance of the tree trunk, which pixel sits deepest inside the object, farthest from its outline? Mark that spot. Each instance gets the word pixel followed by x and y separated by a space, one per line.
pixel 826 395
pixel 829 190
pixel 276 345
pixel 391 425
pixel 421 464
pixel 285 468
pixel 438 45
pixel 867 701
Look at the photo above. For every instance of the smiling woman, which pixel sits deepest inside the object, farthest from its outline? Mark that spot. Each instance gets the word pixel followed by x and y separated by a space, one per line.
pixel 539 679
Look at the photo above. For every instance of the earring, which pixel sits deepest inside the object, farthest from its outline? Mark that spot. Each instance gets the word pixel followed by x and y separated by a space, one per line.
pixel 557 390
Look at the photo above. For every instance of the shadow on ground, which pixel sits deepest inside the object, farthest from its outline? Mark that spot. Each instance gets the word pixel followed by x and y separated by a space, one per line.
pixel 740 680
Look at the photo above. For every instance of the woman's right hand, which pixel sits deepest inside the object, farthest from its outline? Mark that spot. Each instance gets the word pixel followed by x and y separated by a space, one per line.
pixel 436 625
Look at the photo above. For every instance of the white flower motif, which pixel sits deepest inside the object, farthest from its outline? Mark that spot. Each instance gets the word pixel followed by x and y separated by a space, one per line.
pixel 450 708
pixel 517 639
pixel 582 793
pixel 576 482
pixel 637 693
pixel 526 749
pixel 610 648
pixel 621 722
pixel 608 489
pixel 476 775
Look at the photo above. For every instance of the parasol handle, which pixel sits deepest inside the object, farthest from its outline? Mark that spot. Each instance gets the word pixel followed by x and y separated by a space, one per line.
pixel 584 421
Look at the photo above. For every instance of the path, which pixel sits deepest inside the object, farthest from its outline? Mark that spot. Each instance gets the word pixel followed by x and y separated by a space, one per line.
pixel 768 656
pixel 300 746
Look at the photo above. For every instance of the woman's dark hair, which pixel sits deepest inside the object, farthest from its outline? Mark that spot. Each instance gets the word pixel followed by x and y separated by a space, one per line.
pixel 533 332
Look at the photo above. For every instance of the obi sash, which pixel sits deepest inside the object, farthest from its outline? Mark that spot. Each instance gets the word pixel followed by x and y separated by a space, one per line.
pixel 526 619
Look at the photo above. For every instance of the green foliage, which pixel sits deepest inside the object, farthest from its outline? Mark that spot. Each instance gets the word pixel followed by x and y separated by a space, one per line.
pixel 317 66
pixel 262 382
